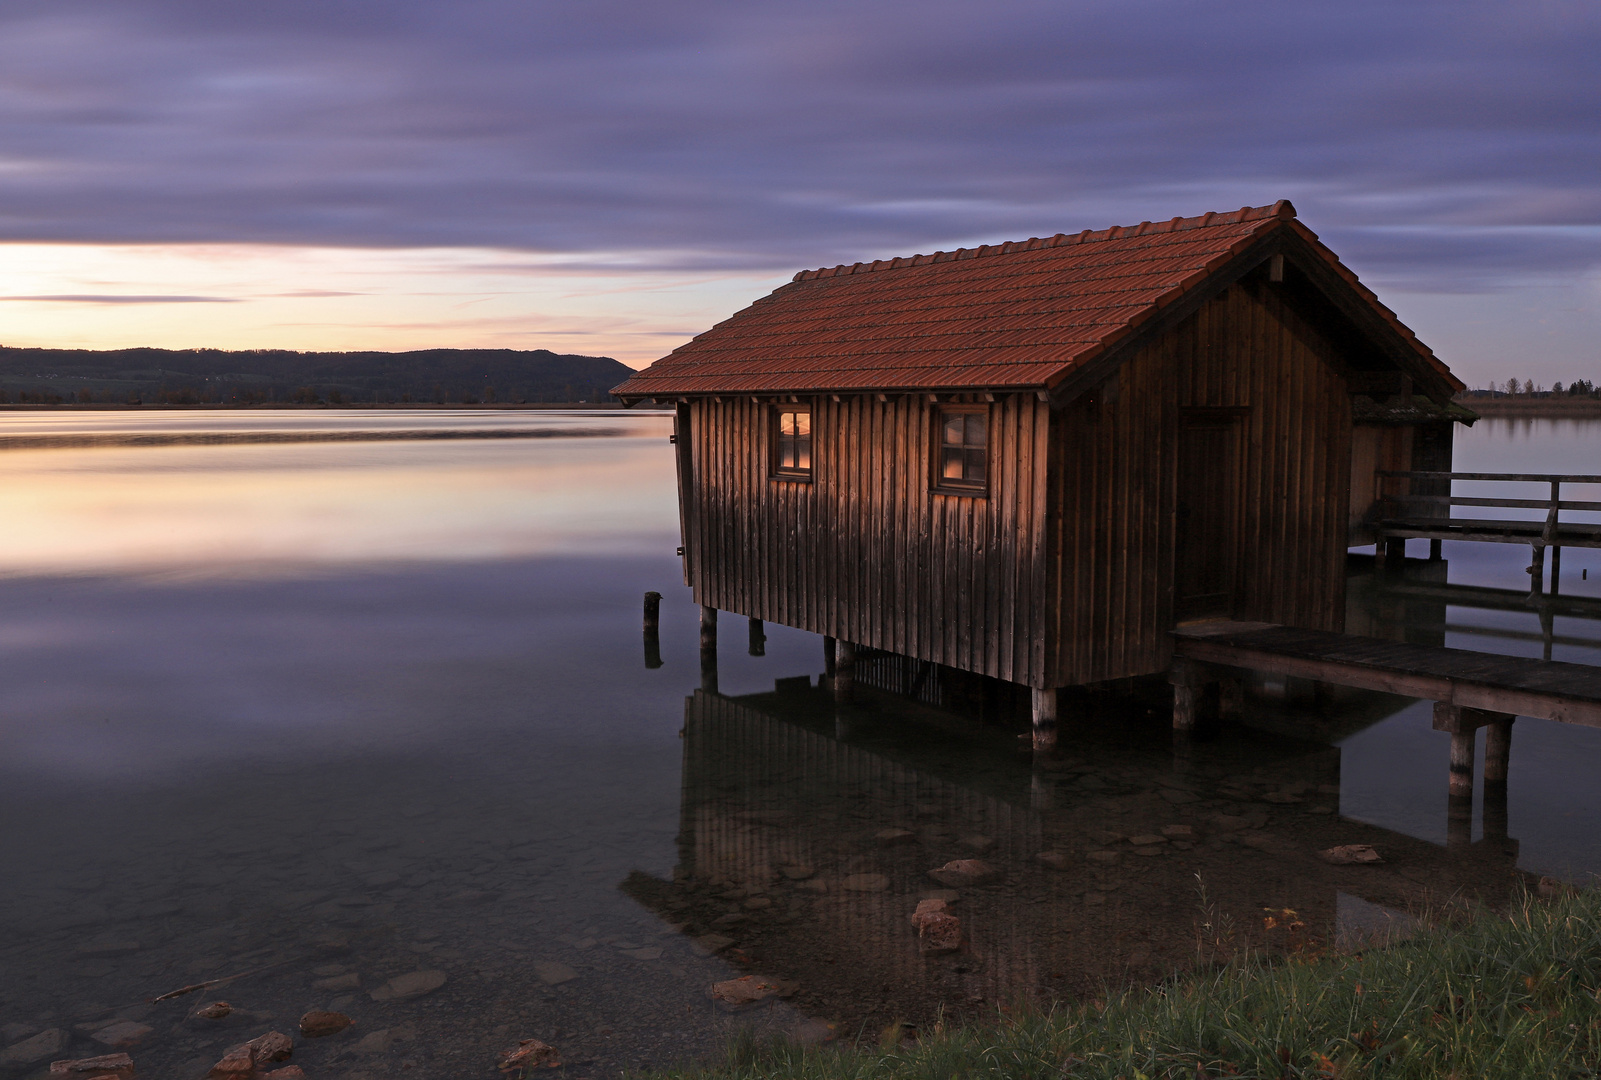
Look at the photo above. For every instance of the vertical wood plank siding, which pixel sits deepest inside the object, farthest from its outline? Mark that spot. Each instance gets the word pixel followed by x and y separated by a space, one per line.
pixel 1113 485
pixel 1064 573
pixel 866 551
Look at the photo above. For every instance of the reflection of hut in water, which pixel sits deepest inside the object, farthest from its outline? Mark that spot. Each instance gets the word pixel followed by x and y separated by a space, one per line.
pixel 1030 460
pixel 802 856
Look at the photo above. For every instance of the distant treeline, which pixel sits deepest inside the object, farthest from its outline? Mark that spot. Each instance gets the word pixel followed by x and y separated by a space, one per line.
pixel 1581 388
pixel 275 376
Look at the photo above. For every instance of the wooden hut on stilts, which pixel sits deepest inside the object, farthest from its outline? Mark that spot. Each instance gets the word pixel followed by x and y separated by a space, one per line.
pixel 1032 460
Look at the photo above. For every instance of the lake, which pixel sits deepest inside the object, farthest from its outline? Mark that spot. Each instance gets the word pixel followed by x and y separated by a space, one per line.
pixel 317 716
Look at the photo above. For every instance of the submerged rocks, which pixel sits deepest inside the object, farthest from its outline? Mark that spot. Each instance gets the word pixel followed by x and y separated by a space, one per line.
pixel 32 1050
pixel 530 1054
pixel 319 1024
pixel 865 883
pixel 1350 854
pixel 960 873
pixel 122 1035
pixel 104 1067
pixel 552 973
pixel 1056 860
pixel 413 984
pixel 938 931
pixel 216 1010
pixel 748 990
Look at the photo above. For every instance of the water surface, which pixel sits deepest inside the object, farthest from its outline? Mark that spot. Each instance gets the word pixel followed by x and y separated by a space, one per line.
pixel 323 714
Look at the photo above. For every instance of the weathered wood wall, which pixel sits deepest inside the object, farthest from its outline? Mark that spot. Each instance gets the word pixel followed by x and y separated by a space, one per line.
pixel 1113 496
pixel 1065 572
pixel 866 551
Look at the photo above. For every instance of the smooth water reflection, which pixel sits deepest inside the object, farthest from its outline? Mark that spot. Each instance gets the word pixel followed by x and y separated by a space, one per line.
pixel 329 714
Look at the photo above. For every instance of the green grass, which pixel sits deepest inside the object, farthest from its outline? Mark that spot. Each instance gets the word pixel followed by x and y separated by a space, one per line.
pixel 1498 995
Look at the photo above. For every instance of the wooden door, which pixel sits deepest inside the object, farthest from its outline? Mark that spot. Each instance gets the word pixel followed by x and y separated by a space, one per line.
pixel 1207 533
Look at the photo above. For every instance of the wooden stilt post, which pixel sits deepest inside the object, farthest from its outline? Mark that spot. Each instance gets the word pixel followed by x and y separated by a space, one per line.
pixel 708 649
pixel 1537 571
pixel 758 638
pixel 1556 571
pixel 653 641
pixel 1462 763
pixel 1187 678
pixel 1044 720
pixel 1497 756
pixel 844 672
pixel 1436 550
pixel 828 657
pixel 1497 751
pixel 1231 697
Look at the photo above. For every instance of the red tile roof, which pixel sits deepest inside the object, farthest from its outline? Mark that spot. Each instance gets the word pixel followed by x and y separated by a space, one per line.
pixel 1012 316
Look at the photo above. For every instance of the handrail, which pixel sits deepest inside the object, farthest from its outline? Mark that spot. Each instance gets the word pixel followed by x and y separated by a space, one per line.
pixel 1542 478
pixel 1517 504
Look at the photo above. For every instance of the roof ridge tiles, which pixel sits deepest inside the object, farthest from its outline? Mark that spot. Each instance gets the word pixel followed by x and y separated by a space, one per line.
pixel 1283 210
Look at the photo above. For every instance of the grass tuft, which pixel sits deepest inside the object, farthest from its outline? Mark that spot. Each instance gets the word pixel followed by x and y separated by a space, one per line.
pixel 1512 995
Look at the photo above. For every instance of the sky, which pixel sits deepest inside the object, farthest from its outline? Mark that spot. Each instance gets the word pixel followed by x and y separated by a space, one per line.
pixel 613 177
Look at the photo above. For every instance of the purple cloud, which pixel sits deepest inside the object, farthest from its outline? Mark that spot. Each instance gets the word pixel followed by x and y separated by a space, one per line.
pixel 1436 145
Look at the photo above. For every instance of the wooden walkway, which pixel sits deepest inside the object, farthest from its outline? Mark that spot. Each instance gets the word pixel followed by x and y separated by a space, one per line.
pixel 1551 689
pixel 1470 689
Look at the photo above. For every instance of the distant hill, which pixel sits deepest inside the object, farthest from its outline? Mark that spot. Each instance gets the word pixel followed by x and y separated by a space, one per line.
pixel 267 376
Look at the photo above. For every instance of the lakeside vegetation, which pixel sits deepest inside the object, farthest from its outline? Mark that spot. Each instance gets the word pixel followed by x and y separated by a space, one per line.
pixel 280 377
pixel 1494 995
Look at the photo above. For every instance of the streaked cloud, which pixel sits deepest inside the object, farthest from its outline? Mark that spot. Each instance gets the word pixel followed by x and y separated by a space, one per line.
pixel 1441 147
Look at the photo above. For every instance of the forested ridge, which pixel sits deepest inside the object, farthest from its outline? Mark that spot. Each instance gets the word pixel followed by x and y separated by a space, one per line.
pixel 274 376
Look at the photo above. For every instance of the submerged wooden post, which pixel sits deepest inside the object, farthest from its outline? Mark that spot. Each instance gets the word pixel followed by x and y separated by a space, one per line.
pixel 1537 571
pixel 758 638
pixel 1044 716
pixel 844 672
pixel 653 641
pixel 708 649
pixel 1497 756
pixel 828 657
pixel 1462 763
pixel 1436 550
pixel 1497 751
pixel 1188 679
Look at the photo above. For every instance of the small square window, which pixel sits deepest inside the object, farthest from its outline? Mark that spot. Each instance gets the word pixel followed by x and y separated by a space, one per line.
pixel 792 446
pixel 962 455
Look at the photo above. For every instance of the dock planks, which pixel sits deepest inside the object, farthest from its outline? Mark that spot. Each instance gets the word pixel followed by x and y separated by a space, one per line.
pixel 1550 689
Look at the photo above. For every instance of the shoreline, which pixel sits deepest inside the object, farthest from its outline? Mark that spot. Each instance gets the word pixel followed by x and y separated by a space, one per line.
pixel 1577 408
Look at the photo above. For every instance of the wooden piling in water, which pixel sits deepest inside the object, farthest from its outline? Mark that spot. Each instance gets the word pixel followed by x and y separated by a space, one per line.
pixel 1044 718
pixel 828 657
pixel 653 641
pixel 1497 751
pixel 758 638
pixel 708 649
pixel 844 679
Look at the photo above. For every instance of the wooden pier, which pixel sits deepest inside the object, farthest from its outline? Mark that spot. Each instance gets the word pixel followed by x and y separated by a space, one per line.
pixel 1470 689
pixel 1412 514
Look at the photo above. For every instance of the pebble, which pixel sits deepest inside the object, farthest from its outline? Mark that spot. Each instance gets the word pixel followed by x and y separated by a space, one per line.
pixel 977 842
pixel 104 1067
pixel 530 1054
pixel 1102 856
pixel 319 1024
pixel 711 944
pixel 123 1035
pixel 1053 859
pixel 1147 838
pixel 895 837
pixel 865 883
pixel 1178 832
pixel 40 1047
pixel 349 981
pixel 216 1010
pixel 758 903
pixel 413 984
pixel 961 872
pixel 796 872
pixel 552 973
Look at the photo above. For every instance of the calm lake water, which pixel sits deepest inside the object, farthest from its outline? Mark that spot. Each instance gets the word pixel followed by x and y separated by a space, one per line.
pixel 325 714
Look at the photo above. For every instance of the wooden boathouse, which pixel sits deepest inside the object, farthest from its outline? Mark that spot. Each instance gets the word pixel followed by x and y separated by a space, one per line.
pixel 1032 460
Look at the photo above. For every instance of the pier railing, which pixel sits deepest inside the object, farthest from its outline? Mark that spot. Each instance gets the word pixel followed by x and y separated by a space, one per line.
pixel 1428 514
